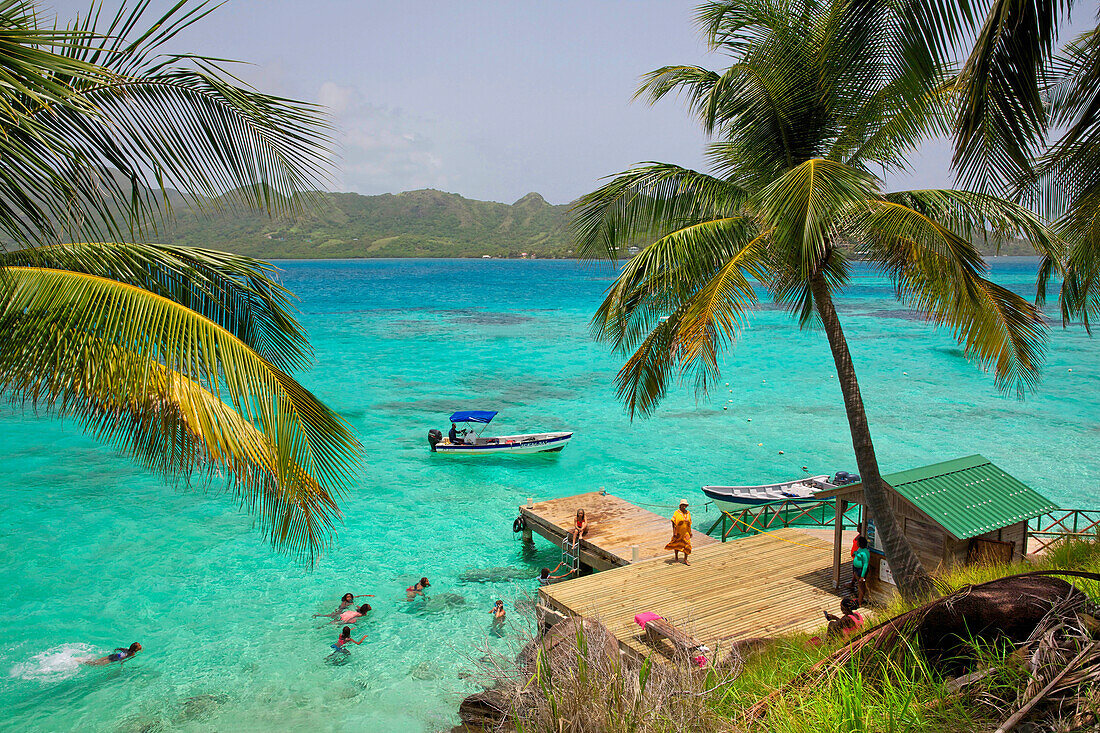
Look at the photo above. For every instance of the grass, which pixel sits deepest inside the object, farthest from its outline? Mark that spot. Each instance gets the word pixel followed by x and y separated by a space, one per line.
pixel 586 688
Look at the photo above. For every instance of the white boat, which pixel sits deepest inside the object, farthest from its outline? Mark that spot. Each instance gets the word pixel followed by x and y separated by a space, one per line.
pixel 736 498
pixel 468 442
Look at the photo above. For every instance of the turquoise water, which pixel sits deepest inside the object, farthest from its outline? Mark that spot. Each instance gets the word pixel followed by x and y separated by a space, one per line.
pixel 98 554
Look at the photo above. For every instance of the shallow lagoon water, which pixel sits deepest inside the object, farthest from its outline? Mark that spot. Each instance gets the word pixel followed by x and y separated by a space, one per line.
pixel 97 553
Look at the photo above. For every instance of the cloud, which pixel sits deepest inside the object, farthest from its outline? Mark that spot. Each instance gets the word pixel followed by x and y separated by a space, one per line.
pixel 382 149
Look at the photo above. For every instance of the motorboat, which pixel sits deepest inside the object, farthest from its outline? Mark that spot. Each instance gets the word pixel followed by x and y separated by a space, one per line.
pixel 470 442
pixel 737 498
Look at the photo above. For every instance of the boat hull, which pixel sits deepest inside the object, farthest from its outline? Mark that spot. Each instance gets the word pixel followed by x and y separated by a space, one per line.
pixel 509 445
pixel 745 497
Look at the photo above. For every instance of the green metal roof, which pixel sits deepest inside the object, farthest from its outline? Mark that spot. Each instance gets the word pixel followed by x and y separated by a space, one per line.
pixel 969 496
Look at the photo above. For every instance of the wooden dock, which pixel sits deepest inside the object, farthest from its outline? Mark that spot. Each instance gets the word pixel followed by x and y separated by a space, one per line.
pixel 768 584
pixel 615 527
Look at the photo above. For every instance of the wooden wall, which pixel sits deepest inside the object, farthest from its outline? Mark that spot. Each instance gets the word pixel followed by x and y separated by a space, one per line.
pixel 933 545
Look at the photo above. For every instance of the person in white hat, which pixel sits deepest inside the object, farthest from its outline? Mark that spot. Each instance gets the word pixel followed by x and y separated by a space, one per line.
pixel 681 533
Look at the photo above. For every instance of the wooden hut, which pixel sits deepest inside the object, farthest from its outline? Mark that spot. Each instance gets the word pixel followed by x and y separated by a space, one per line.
pixel 955 512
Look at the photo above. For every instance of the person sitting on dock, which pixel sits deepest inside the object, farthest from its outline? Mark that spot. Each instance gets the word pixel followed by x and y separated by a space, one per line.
pixel 681 532
pixel 580 528
pixel 456 436
pixel 418 589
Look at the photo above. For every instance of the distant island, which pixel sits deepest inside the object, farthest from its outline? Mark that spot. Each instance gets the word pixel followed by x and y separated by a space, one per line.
pixel 423 223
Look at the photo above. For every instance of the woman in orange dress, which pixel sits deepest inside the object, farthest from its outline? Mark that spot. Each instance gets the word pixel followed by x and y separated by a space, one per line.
pixel 681 532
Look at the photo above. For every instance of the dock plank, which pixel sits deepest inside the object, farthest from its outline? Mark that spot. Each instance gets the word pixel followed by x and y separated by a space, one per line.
pixel 772 583
pixel 615 526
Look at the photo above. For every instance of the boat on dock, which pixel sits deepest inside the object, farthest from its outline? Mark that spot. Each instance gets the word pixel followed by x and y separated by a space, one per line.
pixel 470 441
pixel 736 498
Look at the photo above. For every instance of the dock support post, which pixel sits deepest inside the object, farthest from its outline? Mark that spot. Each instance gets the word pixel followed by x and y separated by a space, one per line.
pixel 838 538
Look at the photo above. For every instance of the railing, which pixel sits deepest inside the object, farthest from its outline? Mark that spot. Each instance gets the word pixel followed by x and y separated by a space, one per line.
pixel 1042 531
pixel 777 514
pixel 1046 529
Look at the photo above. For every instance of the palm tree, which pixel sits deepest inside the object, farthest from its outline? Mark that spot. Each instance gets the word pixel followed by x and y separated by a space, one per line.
pixel 1029 124
pixel 818 97
pixel 178 356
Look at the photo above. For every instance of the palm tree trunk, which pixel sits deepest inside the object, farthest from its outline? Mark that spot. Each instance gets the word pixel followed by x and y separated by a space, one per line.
pixel 909 574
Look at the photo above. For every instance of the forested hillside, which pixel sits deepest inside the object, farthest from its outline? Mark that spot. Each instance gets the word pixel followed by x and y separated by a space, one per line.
pixel 424 223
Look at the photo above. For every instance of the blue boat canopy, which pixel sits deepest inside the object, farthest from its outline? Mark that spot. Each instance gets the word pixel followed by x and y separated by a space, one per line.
pixel 485 416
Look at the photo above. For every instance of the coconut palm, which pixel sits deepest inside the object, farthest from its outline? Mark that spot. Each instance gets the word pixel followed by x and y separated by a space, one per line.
pixel 819 97
pixel 1029 122
pixel 179 356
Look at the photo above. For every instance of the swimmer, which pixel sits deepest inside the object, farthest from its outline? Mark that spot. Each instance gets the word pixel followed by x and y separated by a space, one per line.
pixel 498 614
pixel 352 615
pixel 417 590
pixel 546 577
pixel 345 638
pixel 346 601
pixel 119 655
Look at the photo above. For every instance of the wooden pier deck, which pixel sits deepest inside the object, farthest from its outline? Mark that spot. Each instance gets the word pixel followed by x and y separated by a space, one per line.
pixel 759 586
pixel 615 527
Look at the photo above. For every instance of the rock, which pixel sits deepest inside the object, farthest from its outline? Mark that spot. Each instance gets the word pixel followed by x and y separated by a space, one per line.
pixel 424 671
pixel 488 709
pixel 1005 609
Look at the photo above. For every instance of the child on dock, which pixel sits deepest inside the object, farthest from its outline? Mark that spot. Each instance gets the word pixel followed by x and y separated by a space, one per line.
pixel 861 563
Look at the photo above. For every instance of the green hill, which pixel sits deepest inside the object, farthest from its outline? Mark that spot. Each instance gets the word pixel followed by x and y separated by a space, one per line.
pixel 424 223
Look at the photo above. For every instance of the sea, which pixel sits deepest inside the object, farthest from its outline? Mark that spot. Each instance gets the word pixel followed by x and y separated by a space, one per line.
pixel 98 553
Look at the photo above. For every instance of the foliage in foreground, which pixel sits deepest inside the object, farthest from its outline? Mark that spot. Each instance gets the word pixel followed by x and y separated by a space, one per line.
pixel 588 688
pixel 179 356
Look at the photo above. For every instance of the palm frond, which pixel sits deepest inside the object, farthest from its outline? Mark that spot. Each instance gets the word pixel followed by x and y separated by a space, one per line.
pixel 804 206
pixel 647 202
pixel 677 303
pixel 940 274
pixel 238 293
pixel 64 332
pixel 99 163
pixel 176 427
pixel 1003 120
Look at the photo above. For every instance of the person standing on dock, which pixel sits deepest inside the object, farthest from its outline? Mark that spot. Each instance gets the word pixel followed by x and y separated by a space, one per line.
pixel 681 532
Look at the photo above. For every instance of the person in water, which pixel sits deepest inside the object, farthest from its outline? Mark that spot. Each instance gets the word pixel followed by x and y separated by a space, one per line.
pixel 681 533
pixel 498 614
pixel 352 615
pixel 345 602
pixel 417 590
pixel 119 655
pixel 580 528
pixel 345 638
pixel 545 577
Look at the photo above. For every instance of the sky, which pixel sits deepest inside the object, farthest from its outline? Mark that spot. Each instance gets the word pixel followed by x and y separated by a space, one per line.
pixel 490 100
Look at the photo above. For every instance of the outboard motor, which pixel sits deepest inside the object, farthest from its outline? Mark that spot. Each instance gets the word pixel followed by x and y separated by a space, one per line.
pixel 434 436
pixel 843 478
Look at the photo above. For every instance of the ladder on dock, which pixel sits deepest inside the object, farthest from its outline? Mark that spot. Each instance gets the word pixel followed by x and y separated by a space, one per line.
pixel 571 553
